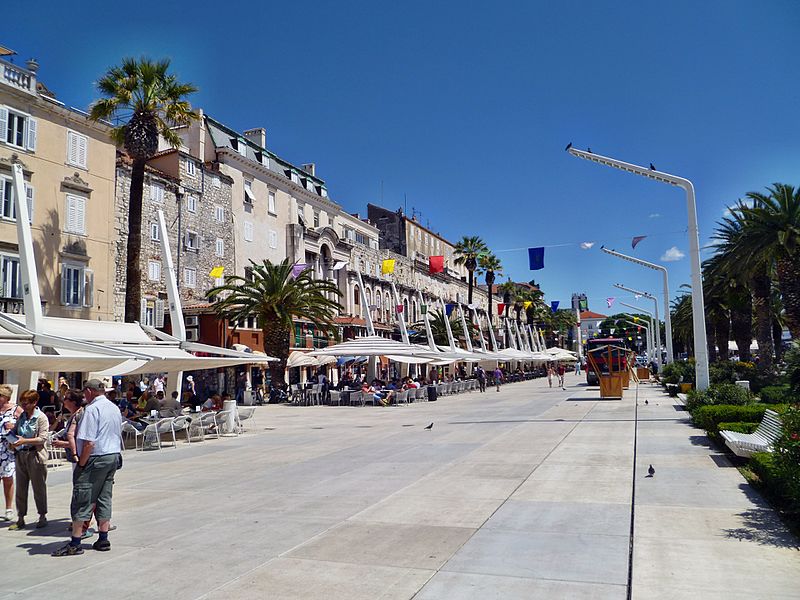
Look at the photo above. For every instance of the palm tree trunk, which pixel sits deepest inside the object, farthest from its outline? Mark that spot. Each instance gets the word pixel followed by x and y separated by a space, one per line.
pixel 490 316
pixel 761 308
pixel 777 335
pixel 742 330
pixel 276 343
pixel 722 332
pixel 469 289
pixel 711 340
pixel 789 284
pixel 133 269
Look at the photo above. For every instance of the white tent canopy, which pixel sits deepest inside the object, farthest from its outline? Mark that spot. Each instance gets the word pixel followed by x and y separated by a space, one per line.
pixel 304 359
pixel 22 355
pixel 373 345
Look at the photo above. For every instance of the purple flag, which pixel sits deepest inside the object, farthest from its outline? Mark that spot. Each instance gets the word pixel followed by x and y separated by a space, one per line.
pixel 636 240
pixel 610 301
pixel 298 268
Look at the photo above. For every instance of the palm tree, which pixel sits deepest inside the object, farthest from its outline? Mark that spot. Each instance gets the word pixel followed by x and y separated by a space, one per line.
pixel 682 324
pixel 773 230
pixel 467 251
pixel 274 296
pixel 151 102
pixel 438 329
pixel 492 266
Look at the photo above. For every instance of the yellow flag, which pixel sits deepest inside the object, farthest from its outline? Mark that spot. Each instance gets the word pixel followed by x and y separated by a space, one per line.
pixel 636 319
pixel 387 266
pixel 526 304
pixel 217 272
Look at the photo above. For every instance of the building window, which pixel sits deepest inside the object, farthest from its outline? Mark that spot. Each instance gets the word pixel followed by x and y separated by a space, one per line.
pixel 156 192
pixel 249 198
pixel 17 129
pixel 76 149
pixel 10 282
pixel 190 278
pixel 219 247
pixel 152 312
pixel 76 215
pixel 248 231
pixel 154 270
pixel 190 167
pixel 215 182
pixel 219 214
pixel 192 241
pixel 316 219
pixel 323 192
pixel 8 208
pixel 155 232
pixel 294 177
pixel 361 238
pixel 191 204
pixel 271 205
pixel 77 285
pixel 273 238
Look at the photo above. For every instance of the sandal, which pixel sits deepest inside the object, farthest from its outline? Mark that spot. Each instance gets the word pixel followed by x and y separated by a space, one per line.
pixel 68 550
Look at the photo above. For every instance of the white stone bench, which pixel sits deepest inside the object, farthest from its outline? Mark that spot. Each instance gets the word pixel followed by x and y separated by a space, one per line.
pixel 761 440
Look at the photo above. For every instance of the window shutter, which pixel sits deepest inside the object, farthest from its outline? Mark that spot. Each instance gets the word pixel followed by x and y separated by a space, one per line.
pixel 143 311
pixel 72 148
pixel 70 224
pixel 29 197
pixel 88 287
pixel 3 123
pixel 80 215
pixel 82 150
pixel 63 285
pixel 159 316
pixel 31 137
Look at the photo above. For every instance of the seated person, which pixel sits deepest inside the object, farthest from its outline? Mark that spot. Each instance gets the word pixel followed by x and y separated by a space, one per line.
pixel 374 390
pixel 214 403
pixel 169 407
pixel 152 403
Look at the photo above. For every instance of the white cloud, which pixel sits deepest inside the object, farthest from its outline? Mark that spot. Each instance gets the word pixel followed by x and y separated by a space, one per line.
pixel 655 216
pixel 672 255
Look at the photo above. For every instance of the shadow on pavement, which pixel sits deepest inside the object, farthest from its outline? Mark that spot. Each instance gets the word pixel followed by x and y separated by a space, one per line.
pixel 763 527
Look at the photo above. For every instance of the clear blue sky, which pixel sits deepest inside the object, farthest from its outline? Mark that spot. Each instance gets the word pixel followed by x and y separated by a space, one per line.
pixel 465 108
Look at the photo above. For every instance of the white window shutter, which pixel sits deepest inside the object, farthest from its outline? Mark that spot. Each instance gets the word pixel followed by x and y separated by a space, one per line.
pixel 80 215
pixel 63 285
pixel 143 311
pixel 3 122
pixel 72 148
pixel 159 316
pixel 88 287
pixel 82 150
pixel 70 224
pixel 29 197
pixel 30 138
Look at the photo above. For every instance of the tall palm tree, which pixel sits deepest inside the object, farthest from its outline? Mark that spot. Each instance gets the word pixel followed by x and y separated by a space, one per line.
pixel 773 230
pixel 493 268
pixel 275 296
pixel 149 101
pixel 438 329
pixel 682 324
pixel 467 251
pixel 715 298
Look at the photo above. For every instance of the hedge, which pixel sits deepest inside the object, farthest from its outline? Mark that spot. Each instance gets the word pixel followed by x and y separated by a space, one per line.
pixel 777 394
pixel 738 427
pixel 718 393
pixel 709 417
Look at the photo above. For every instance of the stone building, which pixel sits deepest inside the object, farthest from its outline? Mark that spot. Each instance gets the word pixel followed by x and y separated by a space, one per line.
pixel 196 201
pixel 68 163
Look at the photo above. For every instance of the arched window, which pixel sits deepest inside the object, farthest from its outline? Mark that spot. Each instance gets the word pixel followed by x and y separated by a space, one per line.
pixel 378 305
pixel 405 309
pixel 387 307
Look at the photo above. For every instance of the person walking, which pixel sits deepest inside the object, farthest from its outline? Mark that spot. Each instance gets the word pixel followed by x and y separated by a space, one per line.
pixel 578 367
pixel 481 375
pixel 550 373
pixel 498 377
pixel 31 459
pixel 9 412
pixel 98 448
pixel 561 370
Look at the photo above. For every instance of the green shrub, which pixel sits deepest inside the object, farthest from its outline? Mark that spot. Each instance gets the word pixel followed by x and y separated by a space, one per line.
pixel 787 457
pixel 762 464
pixel 722 371
pixel 678 372
pixel 777 394
pixel 792 358
pixel 737 427
pixel 709 417
pixel 718 393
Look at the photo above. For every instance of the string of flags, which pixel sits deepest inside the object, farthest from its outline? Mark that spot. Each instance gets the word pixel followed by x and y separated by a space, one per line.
pixel 216 272
pixel 610 301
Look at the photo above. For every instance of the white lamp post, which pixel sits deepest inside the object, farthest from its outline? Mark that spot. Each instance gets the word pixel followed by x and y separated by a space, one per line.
pixel 655 267
pixel 657 323
pixel 647 337
pixel 652 321
pixel 698 306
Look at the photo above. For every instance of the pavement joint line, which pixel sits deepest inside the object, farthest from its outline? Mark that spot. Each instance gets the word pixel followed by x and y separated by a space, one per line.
pixel 494 512
pixel 633 492
pixel 578 581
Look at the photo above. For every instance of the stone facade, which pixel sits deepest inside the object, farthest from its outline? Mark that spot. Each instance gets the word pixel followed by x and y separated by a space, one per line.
pixel 205 230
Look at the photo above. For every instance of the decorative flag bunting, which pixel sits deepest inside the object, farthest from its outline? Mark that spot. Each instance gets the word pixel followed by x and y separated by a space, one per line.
pixel 398 309
pixel 339 264
pixel 612 330
pixel 424 309
pixel 637 296
pixel 500 308
pixel 216 272
pixel 536 258
pixel 298 268
pixel 636 240
pixel 373 306
pixel 526 304
pixel 554 305
pixel 583 304
pixel 448 308
pixel 436 264
pixel 635 319
pixel 610 301
pixel 586 245
pixel 387 266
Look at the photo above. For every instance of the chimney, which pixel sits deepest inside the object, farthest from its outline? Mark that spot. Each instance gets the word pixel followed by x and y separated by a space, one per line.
pixel 310 168
pixel 258 136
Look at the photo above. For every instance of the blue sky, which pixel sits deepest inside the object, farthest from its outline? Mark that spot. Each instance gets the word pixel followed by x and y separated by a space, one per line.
pixel 464 108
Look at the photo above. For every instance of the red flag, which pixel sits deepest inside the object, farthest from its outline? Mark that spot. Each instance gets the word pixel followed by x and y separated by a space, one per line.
pixel 500 308
pixel 399 308
pixel 436 264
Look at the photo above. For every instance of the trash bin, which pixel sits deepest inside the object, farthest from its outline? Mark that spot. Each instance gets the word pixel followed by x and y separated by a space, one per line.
pixel 431 393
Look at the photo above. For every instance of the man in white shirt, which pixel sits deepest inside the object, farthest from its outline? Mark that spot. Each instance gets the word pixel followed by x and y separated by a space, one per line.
pixel 98 449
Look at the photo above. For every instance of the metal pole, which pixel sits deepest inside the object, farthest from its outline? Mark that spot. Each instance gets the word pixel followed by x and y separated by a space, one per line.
pixel 649 296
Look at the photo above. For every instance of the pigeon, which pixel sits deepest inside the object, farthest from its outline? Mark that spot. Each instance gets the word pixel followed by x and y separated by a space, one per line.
pixel 589 150
pixel 645 401
pixel 568 147
pixel 651 471
pixel 431 427
pixel 652 167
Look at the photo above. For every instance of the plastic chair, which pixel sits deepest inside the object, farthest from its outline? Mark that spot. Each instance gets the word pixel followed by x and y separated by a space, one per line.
pixel 243 414
pixel 156 429
pixel 421 394
pixel 182 423
pixel 401 396
pixel 335 397
pixel 129 430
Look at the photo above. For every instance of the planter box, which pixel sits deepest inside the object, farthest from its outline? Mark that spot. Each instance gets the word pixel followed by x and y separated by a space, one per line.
pixel 685 388
pixel 611 386
pixel 626 379
pixel 643 373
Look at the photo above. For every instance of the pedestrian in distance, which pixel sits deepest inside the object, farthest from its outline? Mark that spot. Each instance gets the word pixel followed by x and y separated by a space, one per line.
pixel 481 375
pixel 9 412
pixel 98 448
pixel 561 370
pixel 550 374
pixel 498 377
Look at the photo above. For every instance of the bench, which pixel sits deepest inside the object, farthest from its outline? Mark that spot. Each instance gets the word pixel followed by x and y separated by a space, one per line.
pixel 761 440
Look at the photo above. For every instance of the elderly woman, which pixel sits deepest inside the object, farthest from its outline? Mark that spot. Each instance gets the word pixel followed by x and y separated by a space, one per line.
pixel 31 460
pixel 8 418
pixel 73 402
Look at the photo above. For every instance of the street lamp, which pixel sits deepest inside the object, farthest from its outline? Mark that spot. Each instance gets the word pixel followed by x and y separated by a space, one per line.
pixel 698 306
pixel 647 335
pixel 657 324
pixel 655 267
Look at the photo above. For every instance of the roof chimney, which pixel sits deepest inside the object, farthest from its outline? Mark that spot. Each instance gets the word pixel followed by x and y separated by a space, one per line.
pixel 310 168
pixel 258 136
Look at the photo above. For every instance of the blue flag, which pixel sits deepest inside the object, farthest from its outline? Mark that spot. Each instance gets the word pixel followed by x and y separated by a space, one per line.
pixel 536 258
pixel 448 308
pixel 554 305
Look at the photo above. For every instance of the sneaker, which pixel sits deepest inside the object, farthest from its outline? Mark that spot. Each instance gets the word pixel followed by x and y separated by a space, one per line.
pixel 68 550
pixel 87 534
pixel 42 522
pixel 8 516
pixel 20 524
pixel 102 545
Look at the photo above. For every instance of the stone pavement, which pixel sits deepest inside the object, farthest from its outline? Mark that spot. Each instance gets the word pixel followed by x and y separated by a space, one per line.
pixel 525 493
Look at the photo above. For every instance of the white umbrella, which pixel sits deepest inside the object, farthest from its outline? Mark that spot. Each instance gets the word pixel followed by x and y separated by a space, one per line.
pixel 372 345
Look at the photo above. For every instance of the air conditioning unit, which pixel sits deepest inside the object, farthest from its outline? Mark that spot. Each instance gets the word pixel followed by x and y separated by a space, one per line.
pixel 192 335
pixel 191 321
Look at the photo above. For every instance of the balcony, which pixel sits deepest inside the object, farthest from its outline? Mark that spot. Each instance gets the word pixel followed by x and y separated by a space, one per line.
pixel 19 78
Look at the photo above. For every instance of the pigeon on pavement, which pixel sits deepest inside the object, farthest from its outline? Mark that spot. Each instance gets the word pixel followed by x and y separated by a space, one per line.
pixel 651 471
pixel 429 426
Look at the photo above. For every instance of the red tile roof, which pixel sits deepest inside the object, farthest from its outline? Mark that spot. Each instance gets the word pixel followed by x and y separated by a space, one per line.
pixel 587 314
